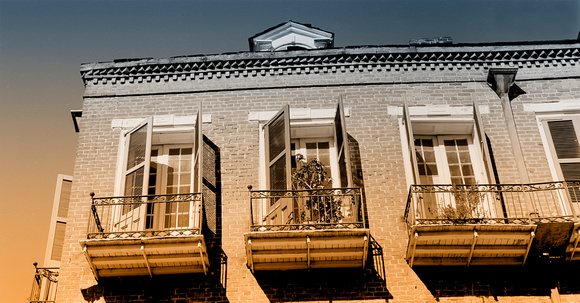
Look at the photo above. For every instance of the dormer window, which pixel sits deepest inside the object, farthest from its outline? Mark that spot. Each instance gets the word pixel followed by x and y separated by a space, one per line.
pixel 291 36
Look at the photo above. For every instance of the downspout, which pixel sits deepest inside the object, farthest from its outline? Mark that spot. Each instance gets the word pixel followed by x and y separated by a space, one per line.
pixel 501 80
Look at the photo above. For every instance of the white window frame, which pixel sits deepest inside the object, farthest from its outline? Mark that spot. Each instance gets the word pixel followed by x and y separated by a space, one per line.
pixel 319 119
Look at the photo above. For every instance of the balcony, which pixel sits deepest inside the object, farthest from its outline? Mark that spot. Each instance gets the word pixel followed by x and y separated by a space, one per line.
pixel 500 224
pixel 146 235
pixel 303 229
pixel 44 285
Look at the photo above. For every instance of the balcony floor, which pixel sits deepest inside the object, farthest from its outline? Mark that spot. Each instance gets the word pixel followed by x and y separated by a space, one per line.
pixel 469 244
pixel 146 256
pixel 305 249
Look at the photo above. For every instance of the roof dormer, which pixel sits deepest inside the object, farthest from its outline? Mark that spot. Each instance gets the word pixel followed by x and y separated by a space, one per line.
pixel 291 36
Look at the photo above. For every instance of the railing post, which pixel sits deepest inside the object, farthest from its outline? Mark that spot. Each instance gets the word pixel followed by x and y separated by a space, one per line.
pixel 251 207
pixel 412 207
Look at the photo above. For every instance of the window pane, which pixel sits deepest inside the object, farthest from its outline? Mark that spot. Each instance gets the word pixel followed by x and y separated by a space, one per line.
pixel 324 155
pixel 565 139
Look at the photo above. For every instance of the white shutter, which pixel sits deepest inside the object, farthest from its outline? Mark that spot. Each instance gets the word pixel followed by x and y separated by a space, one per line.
pixel 411 143
pixel 277 134
pixel 137 158
pixel 483 144
pixel 343 153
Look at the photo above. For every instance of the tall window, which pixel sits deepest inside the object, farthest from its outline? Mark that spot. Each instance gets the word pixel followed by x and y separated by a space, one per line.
pixel 564 140
pixel 326 142
pixel 161 162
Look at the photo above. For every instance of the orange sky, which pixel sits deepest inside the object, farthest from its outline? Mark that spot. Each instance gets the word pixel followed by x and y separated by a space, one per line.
pixel 43 43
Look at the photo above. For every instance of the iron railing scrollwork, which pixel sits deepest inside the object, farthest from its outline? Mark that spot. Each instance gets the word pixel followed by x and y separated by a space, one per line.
pixel 316 209
pixel 493 203
pixel 44 285
pixel 146 216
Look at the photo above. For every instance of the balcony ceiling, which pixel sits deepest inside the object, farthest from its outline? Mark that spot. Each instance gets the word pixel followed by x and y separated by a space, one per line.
pixel 146 256
pixel 285 250
pixel 470 244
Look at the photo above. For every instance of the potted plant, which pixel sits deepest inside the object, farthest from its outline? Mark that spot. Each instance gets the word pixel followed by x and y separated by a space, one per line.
pixel 316 207
pixel 467 205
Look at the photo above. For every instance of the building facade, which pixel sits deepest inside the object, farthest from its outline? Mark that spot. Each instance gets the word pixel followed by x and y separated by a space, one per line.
pixel 450 173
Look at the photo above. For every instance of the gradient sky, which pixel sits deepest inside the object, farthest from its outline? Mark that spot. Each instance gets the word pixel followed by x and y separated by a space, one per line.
pixel 43 43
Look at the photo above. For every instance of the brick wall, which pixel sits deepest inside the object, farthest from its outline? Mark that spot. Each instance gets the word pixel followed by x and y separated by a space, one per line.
pixel 379 166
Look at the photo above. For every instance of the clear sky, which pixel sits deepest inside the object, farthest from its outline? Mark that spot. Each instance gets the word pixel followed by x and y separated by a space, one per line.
pixel 43 43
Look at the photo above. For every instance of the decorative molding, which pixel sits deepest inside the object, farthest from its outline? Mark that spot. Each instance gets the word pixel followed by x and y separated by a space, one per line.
pixel 331 61
pixel 561 106
pixel 162 120
pixel 298 114
pixel 437 110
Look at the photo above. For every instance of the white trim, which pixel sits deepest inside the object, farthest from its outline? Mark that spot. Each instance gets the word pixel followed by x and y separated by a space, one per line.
pixel 570 106
pixel 432 111
pixel 161 120
pixel 446 122
pixel 298 114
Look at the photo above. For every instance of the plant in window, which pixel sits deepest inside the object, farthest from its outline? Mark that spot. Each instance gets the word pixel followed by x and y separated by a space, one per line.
pixel 467 205
pixel 316 206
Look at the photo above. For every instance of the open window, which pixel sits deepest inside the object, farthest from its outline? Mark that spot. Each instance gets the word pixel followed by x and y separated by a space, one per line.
pixel 322 138
pixel 447 152
pixel 161 167
pixel 563 136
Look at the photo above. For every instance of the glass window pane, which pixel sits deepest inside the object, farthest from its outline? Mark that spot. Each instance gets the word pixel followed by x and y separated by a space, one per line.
pixel 452 157
pixel 186 151
pixel 454 170
pixel 464 157
pixel 432 169
pixel 467 170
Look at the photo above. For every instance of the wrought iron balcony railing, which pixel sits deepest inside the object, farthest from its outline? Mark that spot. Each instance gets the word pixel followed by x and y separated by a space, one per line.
pixel 493 204
pixel 145 216
pixel 44 285
pixel 332 208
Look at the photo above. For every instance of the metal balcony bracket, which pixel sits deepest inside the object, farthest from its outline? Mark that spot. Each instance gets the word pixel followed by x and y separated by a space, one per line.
pixel 365 251
pixel 475 235
pixel 414 247
pixel 146 261
pixel 91 265
pixel 202 259
pixel 250 256
pixel 532 235
pixel 308 251
pixel 575 245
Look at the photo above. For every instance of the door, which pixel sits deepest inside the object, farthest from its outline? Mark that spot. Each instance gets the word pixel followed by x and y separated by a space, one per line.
pixel 131 214
pixel 449 159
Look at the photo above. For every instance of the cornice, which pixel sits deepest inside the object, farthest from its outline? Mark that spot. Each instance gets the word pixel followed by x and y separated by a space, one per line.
pixel 344 60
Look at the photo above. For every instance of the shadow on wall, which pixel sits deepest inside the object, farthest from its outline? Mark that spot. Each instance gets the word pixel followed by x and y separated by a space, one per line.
pixel 164 289
pixel 328 284
pixel 495 281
